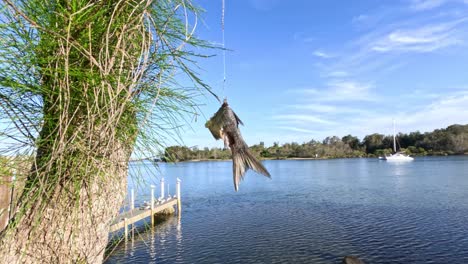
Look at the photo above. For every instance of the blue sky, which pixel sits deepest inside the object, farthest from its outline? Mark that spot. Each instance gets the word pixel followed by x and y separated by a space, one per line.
pixel 307 69
pixel 302 70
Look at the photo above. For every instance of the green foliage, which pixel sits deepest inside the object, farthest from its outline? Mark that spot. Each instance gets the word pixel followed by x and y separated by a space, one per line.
pixel 373 142
pixel 182 153
pixel 5 169
pixel 352 141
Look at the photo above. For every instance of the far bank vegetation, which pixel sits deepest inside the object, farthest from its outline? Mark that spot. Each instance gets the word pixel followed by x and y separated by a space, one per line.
pixel 452 140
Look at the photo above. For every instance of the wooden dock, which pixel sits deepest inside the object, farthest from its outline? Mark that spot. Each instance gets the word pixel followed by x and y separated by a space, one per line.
pixel 128 218
pixel 135 215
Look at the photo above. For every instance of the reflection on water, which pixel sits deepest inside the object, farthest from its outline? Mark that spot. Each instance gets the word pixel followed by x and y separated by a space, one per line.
pixel 146 243
pixel 400 168
pixel 313 211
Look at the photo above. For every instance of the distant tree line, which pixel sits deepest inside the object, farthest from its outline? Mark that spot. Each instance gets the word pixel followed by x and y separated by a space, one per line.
pixel 452 140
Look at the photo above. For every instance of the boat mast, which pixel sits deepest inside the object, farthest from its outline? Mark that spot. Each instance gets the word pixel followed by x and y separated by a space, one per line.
pixel 394 140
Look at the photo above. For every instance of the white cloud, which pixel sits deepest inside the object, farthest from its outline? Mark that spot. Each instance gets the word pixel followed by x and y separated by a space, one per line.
pixel 325 107
pixel 422 39
pixel 406 38
pixel 420 5
pixel 440 113
pixel 337 74
pixel 385 48
pixel 328 109
pixel 322 54
pixel 348 91
pixel 301 118
pixel 321 108
pixel 349 88
pixel 336 91
pixel 423 5
pixel 307 91
pixel 297 129
pixel 455 102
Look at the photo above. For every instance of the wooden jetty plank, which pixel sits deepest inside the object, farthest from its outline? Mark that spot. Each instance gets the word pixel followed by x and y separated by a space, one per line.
pixel 137 215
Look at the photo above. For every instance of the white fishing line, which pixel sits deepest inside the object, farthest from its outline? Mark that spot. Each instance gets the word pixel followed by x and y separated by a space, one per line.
pixel 224 49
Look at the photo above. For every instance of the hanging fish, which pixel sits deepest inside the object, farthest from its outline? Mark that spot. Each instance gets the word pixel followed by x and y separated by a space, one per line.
pixel 225 125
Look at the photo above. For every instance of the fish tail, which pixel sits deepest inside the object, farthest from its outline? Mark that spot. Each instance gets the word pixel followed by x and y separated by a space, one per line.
pixel 242 161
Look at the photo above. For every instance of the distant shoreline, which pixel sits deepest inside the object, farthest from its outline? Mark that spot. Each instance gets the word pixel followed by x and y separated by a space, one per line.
pixel 201 160
pixel 323 158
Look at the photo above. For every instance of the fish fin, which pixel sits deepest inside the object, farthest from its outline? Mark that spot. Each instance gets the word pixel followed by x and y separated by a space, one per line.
pixel 237 119
pixel 242 161
pixel 217 133
pixel 215 125
pixel 225 106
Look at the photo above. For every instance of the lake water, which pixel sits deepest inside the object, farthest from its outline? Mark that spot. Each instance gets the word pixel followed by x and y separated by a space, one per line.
pixel 311 211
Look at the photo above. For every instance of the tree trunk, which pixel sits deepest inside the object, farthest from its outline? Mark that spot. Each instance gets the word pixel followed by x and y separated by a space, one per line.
pixel 70 228
pixel 96 67
pixel 79 177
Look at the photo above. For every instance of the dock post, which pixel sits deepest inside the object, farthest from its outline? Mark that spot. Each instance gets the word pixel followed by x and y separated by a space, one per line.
pixel 162 188
pixel 126 229
pixel 152 204
pixel 132 200
pixel 179 204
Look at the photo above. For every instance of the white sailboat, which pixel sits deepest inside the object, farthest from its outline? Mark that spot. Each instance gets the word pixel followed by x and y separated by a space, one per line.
pixel 397 156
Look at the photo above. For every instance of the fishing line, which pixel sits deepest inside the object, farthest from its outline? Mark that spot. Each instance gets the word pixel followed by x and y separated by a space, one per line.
pixel 224 49
pixel 224 55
